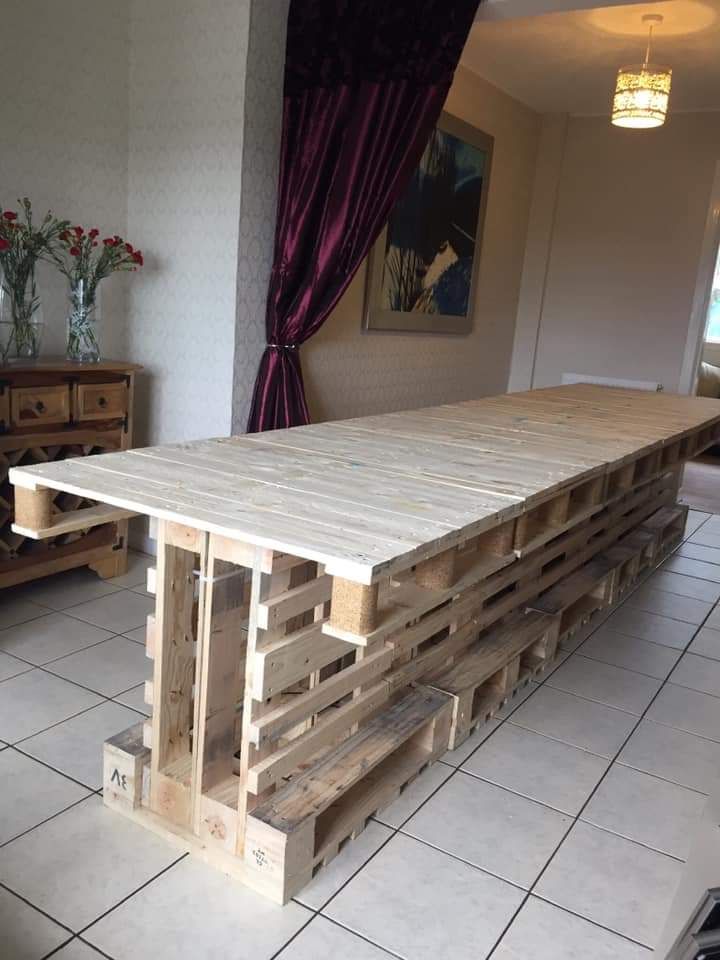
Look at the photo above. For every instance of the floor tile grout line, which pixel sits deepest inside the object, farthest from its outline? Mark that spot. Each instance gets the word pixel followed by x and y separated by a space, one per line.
pixel 67 943
pixel 88 623
pixel 611 764
pixel 525 796
pixel 49 766
pixel 13 743
pixel 602 703
pixel 24 833
pixel 468 863
pixel 474 866
pixel 667 616
pixel 124 899
pixel 572 913
pixel 93 947
pixel 693 575
pixel 617 666
pixel 688 556
pixel 690 733
pixel 72 653
pixel 627 636
pixel 82 686
pixel 361 936
pixel 587 802
pixel 386 841
pixel 58 948
pixel 76 683
pixel 640 673
pixel 622 836
pixel 674 783
pixel 29 903
pixel 44 611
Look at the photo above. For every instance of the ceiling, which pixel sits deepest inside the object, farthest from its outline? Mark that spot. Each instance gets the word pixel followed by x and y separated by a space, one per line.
pixel 567 61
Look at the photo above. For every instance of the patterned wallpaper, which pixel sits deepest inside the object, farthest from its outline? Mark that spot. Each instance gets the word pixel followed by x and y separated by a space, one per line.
pixel 187 89
pixel 261 147
pixel 351 373
pixel 168 129
pixel 64 134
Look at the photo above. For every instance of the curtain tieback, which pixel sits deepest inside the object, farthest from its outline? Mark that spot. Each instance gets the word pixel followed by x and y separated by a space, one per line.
pixel 282 346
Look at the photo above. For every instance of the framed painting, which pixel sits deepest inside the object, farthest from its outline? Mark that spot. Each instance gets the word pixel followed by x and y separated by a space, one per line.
pixel 423 270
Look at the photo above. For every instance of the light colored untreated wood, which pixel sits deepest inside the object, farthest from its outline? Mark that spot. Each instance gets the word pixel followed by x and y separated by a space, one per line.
pixel 438 573
pixel 174 669
pixel 33 508
pixel 33 523
pixel 372 497
pixel 354 606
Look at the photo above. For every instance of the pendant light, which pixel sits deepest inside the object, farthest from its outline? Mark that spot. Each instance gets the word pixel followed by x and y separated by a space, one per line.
pixel 642 91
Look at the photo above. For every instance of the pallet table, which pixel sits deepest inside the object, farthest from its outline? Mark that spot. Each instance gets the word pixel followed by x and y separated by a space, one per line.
pixel 339 603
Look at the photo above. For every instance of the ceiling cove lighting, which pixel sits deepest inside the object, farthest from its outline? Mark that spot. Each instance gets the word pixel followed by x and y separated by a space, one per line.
pixel 642 91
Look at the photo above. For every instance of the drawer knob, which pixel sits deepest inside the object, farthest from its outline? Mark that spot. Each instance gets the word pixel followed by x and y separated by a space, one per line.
pixel 40 406
pixel 102 402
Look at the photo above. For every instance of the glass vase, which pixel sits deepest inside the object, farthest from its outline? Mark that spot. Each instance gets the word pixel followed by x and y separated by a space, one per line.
pixel 82 342
pixel 21 321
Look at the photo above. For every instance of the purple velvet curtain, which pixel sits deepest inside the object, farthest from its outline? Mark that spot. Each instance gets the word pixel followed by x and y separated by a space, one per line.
pixel 365 81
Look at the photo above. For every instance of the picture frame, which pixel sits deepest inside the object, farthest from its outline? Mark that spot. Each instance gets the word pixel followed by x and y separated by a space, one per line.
pixel 422 273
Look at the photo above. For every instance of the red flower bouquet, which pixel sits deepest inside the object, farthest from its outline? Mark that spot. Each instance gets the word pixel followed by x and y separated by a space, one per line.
pixel 22 244
pixel 86 261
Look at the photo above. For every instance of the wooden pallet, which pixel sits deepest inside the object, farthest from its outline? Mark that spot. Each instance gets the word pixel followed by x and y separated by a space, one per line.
pixel 500 662
pixel 304 824
pixel 576 598
pixel 667 527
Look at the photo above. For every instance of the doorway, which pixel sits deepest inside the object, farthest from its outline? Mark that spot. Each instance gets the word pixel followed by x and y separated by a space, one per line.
pixel 701 481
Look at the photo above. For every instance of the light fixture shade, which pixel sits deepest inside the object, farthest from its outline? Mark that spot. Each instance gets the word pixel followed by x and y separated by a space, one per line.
pixel 641 97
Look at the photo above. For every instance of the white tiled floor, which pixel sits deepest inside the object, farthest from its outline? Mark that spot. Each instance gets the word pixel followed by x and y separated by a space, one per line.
pixel 562 823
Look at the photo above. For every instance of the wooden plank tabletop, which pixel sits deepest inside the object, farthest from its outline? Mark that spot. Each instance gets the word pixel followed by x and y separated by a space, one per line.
pixel 360 495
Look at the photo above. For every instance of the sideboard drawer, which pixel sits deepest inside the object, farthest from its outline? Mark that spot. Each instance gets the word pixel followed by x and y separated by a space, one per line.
pixel 32 406
pixel 102 401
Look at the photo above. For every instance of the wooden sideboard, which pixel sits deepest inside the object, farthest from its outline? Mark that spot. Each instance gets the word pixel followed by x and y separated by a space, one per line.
pixel 53 410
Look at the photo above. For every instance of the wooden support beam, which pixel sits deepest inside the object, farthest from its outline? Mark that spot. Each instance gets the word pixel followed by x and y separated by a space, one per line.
pixel 33 508
pixel 437 573
pixel 221 649
pixel 353 607
pixel 265 585
pixel 174 665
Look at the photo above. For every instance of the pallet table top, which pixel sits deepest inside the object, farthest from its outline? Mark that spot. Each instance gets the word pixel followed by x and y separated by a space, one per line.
pixel 361 495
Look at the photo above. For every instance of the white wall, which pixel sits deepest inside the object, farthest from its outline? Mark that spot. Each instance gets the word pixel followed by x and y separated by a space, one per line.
pixel 351 373
pixel 187 87
pixel 261 156
pixel 63 134
pixel 626 248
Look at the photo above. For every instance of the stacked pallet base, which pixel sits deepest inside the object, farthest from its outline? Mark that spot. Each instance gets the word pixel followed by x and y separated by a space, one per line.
pixel 319 766
pixel 338 605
